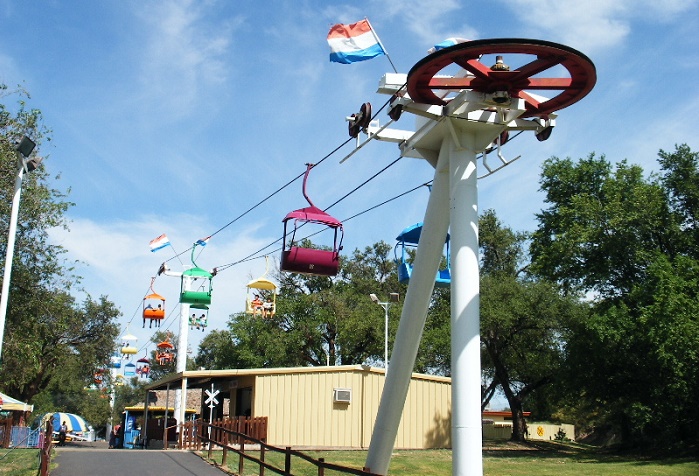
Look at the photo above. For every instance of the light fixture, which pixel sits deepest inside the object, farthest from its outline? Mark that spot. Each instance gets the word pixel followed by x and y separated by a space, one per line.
pixel 393 297
pixel 26 146
pixel 23 150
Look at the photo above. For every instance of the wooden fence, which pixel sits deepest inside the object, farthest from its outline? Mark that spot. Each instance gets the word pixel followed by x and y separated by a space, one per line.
pixel 45 451
pixel 234 434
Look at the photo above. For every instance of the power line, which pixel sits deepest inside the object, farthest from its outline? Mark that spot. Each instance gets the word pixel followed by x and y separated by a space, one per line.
pixel 327 156
pixel 255 254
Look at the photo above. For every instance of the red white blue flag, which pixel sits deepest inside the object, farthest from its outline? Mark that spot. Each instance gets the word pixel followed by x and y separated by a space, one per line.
pixel 352 43
pixel 159 243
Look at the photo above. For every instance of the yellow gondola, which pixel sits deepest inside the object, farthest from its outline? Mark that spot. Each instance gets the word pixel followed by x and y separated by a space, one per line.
pixel 257 302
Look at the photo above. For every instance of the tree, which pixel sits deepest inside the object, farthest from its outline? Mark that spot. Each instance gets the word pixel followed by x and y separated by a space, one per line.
pixel 681 181
pixel 46 331
pixel 216 351
pixel 319 320
pixel 523 321
pixel 629 244
pixel 602 227
pixel 56 335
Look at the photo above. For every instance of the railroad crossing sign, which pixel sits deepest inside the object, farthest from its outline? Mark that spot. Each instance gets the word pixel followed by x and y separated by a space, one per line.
pixel 211 401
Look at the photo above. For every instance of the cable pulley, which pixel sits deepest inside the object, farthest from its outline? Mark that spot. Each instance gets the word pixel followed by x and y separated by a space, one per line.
pixel 360 121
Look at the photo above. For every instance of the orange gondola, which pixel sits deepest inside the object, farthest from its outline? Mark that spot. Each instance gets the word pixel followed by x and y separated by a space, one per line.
pixel 165 353
pixel 153 307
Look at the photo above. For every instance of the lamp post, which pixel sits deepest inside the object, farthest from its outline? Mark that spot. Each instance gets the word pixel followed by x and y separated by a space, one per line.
pixel 23 150
pixel 385 305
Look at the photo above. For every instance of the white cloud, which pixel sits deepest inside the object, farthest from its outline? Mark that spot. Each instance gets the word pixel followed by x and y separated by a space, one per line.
pixel 593 25
pixel 184 52
pixel 589 26
pixel 117 263
pixel 426 20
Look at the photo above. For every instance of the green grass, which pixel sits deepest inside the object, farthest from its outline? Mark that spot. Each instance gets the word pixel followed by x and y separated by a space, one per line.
pixel 19 462
pixel 502 459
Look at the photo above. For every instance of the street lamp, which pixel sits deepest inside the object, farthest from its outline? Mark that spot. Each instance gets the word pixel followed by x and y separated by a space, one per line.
pixel 23 150
pixel 393 297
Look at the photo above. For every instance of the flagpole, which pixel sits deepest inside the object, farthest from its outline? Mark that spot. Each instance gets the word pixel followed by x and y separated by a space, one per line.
pixel 378 40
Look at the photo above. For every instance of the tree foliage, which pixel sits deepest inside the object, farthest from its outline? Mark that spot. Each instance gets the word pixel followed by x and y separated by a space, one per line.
pixel 319 320
pixel 523 321
pixel 630 243
pixel 602 228
pixel 52 343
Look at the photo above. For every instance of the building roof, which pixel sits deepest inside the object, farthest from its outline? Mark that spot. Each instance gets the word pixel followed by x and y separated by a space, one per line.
pixel 12 404
pixel 202 378
pixel 155 409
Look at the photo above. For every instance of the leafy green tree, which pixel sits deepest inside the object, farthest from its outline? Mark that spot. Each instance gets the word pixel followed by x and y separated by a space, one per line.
pixel 523 321
pixel 602 228
pixel 57 335
pixel 319 320
pixel 434 353
pixel 681 181
pixel 46 330
pixel 217 351
pixel 629 244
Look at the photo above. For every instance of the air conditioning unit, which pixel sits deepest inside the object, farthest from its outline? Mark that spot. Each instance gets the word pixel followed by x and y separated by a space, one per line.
pixel 342 395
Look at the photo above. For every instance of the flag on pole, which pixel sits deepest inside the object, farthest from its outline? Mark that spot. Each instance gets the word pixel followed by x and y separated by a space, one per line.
pixel 203 241
pixel 352 43
pixel 159 243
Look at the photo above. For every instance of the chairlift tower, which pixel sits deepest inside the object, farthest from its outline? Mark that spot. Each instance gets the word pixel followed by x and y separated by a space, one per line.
pixel 188 298
pixel 466 98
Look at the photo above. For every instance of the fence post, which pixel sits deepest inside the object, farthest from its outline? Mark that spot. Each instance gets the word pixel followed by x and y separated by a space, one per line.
pixel 225 437
pixel 241 463
pixel 287 460
pixel 262 458
pixel 46 449
pixel 321 469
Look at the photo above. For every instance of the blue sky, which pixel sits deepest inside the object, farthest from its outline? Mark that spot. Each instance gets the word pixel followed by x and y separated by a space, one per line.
pixel 177 116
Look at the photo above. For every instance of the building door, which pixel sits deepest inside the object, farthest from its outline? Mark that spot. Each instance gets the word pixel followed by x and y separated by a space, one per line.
pixel 243 397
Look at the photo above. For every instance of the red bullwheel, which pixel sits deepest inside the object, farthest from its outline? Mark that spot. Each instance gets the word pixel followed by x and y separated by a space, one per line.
pixel 534 60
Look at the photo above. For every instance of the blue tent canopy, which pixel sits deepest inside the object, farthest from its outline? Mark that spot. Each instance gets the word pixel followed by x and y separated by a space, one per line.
pixel 75 423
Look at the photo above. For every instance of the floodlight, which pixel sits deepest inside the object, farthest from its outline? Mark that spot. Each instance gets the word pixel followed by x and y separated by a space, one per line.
pixel 26 146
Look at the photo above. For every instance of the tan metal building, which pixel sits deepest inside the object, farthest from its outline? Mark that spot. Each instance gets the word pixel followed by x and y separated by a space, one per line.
pixel 324 407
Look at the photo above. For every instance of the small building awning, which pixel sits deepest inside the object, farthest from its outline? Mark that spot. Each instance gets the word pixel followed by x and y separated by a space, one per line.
pixel 12 404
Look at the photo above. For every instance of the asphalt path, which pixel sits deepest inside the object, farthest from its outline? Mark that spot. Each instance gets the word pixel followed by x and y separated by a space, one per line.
pixel 78 459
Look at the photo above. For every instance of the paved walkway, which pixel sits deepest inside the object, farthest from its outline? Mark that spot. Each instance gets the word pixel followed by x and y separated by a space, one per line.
pixel 76 459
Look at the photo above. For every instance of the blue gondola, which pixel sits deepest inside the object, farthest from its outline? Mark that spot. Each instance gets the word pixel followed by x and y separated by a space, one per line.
pixel 409 238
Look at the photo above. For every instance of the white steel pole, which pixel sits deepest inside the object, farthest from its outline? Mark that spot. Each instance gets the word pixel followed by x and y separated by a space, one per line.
pixel 181 394
pixel 412 321
pixel 385 340
pixel 10 252
pixel 465 317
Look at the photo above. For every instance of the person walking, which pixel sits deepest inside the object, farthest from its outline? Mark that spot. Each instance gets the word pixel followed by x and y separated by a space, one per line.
pixel 62 431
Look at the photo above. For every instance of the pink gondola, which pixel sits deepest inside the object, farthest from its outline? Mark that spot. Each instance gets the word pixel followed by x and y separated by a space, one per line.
pixel 296 259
